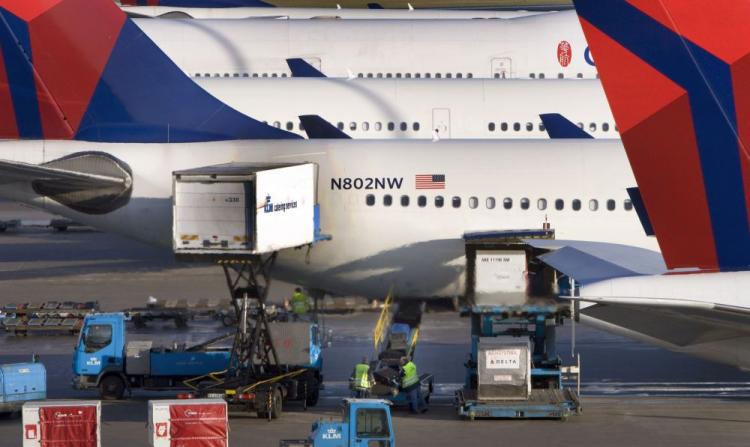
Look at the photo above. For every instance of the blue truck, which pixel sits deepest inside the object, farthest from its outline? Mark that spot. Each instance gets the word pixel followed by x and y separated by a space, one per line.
pixel 106 361
pixel 365 423
pixel 21 382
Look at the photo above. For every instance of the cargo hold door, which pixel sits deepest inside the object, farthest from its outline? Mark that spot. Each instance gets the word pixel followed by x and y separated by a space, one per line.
pixel 441 122
pixel 502 68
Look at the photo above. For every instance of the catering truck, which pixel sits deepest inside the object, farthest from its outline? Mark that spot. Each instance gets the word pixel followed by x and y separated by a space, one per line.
pixel 105 360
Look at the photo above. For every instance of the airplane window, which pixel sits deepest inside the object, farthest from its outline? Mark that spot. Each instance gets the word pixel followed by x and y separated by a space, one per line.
pixel 417 75
pixel 236 75
pixel 369 75
pixel 404 200
pixel 404 126
pixel 340 125
pixel 226 75
pixel 592 127
pixel 197 75
pixel 497 76
pixel 593 205
pixel 378 126
pixel 283 75
pixel 422 201
pixel 265 122
pixel 208 75
pixel 438 75
pixel 456 202
pixel 365 126
pixel 541 204
pixel 473 202
pixel 491 127
pixel 560 76
pixel 274 75
pixel 407 75
pixel 576 205
pixel 370 200
pixel 459 75
pixel 360 75
pixel 605 127
pixel 516 126
pixel 507 203
pixel 217 75
pixel 616 128
pixel 541 75
pixel 391 126
pixel 300 126
pixel 529 127
pixel 352 126
pixel 504 127
pixel 388 75
pixel 490 203
pixel 255 75
pixel 398 75
pixel 415 126
pixel 532 75
pixel 439 201
pixel 448 75
pixel 579 75
pixel 580 125
pixel 380 75
pixel 289 125
pixel 541 127
pixel 277 124
pixel 387 200
pixel 245 75
pixel 627 204
pixel 524 203
pixel 427 75
pixel 559 204
pixel 611 205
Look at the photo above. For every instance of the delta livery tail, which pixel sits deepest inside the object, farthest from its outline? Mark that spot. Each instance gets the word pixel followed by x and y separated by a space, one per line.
pixel 677 77
pixel 80 69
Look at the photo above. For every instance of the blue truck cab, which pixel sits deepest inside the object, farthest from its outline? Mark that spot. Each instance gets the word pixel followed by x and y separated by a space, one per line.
pixel 104 359
pixel 365 423
pixel 21 382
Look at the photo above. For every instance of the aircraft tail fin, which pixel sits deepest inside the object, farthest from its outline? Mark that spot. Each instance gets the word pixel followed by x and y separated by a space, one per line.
pixel 318 128
pixel 80 69
pixel 677 77
pixel 559 127
pixel 300 68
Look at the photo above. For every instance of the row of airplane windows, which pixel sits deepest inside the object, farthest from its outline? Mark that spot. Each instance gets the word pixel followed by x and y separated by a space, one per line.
pixel 381 75
pixel 415 126
pixel 507 203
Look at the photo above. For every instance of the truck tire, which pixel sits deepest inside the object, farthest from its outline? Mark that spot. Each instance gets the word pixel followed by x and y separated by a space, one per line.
pixel 313 394
pixel 111 388
pixel 277 405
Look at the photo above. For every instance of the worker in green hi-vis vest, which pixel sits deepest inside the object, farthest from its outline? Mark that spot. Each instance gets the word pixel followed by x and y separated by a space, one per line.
pixel 361 380
pixel 411 386
pixel 300 305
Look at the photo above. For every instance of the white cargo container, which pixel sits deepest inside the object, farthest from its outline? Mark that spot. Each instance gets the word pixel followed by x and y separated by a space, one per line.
pixel 501 277
pixel 62 423
pixel 242 208
pixel 188 423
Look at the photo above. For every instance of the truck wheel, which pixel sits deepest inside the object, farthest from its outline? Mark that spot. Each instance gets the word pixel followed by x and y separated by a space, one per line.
pixel 112 388
pixel 277 404
pixel 313 396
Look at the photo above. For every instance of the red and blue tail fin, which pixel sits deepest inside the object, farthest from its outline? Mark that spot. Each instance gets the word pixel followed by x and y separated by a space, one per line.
pixel 677 76
pixel 79 69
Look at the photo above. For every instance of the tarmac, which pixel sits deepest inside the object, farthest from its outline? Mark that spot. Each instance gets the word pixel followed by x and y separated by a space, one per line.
pixel 633 394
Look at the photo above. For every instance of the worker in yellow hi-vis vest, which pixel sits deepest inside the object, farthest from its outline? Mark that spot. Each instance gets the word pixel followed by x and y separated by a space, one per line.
pixel 411 386
pixel 361 380
pixel 300 305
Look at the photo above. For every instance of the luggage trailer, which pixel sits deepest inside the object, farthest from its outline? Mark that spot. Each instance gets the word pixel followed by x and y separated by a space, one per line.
pixel 239 216
pixel 513 371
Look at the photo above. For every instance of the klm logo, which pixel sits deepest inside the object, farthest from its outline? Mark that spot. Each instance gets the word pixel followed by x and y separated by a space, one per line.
pixel 271 208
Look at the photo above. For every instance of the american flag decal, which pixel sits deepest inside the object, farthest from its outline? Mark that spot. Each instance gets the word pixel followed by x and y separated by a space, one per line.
pixel 430 181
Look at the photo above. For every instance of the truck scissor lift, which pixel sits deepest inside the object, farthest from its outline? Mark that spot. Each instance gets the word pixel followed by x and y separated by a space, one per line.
pixel 239 216
pixel 514 371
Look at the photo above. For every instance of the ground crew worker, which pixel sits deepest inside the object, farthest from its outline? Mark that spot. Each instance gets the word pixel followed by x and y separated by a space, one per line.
pixel 411 386
pixel 300 306
pixel 361 379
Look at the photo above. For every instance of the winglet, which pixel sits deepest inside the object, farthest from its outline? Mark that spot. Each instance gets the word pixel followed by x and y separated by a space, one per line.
pixel 677 78
pixel 302 69
pixel 318 128
pixel 559 127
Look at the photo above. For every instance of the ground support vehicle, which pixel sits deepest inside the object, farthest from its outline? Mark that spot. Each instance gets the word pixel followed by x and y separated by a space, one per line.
pixel 364 423
pixel 20 383
pixel 51 317
pixel 513 370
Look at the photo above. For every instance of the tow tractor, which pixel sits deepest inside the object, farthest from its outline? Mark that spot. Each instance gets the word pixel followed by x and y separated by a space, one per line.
pixel 364 423
pixel 395 337
pixel 240 215
pixel 513 370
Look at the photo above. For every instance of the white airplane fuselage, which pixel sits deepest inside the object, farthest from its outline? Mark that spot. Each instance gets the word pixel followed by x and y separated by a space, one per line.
pixel 420 108
pixel 489 185
pixel 548 45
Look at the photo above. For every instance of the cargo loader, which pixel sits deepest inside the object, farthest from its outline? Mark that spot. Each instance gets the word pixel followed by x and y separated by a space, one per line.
pixel 513 370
